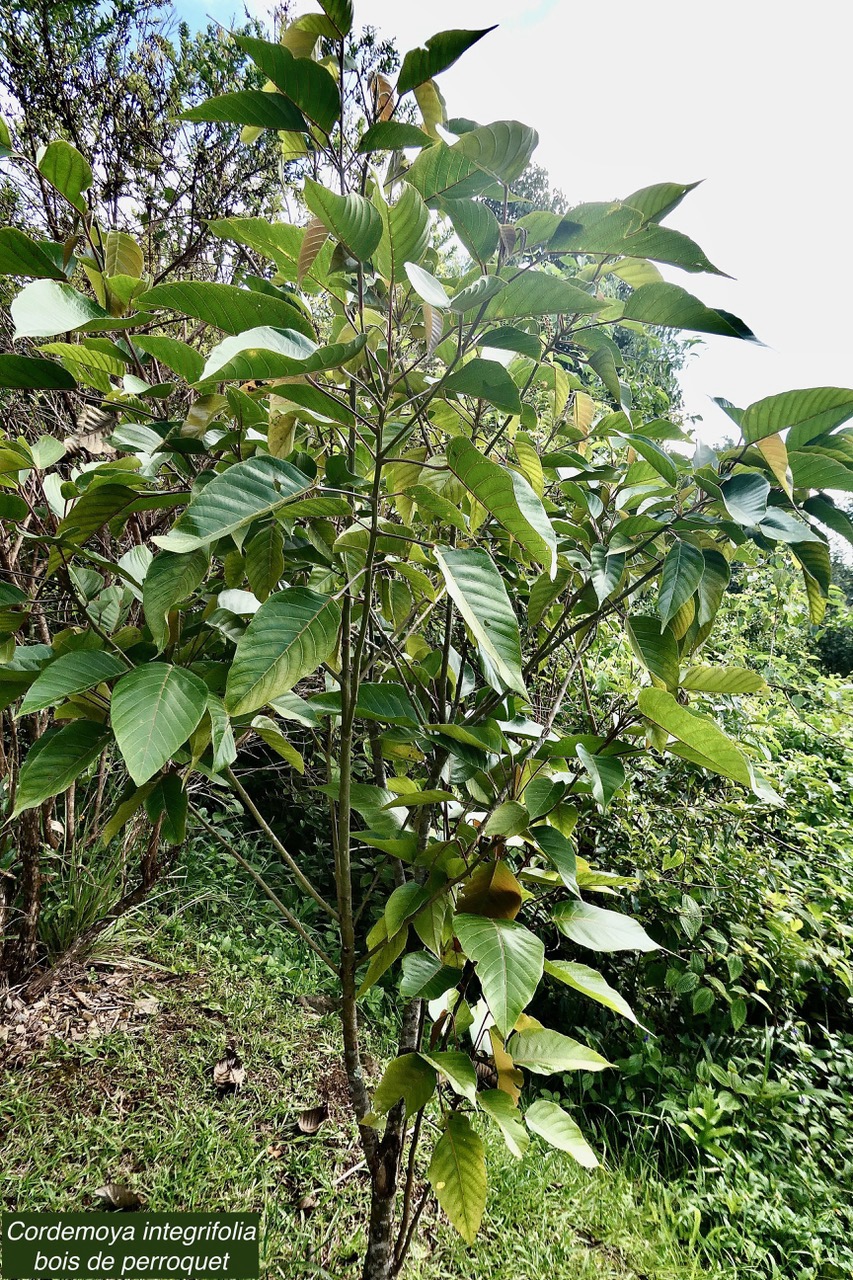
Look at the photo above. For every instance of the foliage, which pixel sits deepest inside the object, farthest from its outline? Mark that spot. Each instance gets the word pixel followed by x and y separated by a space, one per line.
pixel 372 498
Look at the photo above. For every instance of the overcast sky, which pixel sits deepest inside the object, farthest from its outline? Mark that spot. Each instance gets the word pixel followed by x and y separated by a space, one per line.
pixel 752 96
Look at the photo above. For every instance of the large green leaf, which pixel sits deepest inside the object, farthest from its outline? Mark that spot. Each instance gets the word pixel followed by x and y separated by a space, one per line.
pixel 457 1173
pixel 656 649
pixel 697 738
pixel 22 256
pixel 536 293
pixel 67 170
pixel 605 571
pixel 509 961
pixel 178 356
pixel 590 983
pixel 745 496
pixel 477 589
pixel 288 638
pixel 227 307
pixel 607 774
pixel 351 219
pixel 339 13
pixel 234 498
pixel 559 851
pixel 35 374
pixel 557 1127
pixel 601 930
pixel 171 577
pixel 253 107
pixel 443 173
pixel 546 1052
pixel 56 759
pixel 439 53
pixel 308 84
pixel 405 233
pixel 810 413
pixel 275 353
pixel 458 1069
pixel 507 1117
pixel 706 679
pixel 657 201
pixel 476 226
pixel 393 135
pixel 486 380
pixel 503 148
pixel 672 307
pixel 45 307
pixel 408 1078
pixel 682 571
pixel 154 710
pixel 70 673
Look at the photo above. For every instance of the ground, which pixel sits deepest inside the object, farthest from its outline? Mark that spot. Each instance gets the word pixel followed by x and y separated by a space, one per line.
pixel 107 1093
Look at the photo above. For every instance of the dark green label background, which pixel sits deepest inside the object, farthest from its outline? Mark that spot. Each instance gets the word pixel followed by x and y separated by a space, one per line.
pixel 19 1257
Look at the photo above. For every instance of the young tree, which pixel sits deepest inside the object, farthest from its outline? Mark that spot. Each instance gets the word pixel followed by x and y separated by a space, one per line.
pixel 393 516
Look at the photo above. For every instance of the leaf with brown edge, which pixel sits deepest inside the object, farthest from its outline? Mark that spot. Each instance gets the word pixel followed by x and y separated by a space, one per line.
pixel 492 891
pixel 315 237
pixel 383 97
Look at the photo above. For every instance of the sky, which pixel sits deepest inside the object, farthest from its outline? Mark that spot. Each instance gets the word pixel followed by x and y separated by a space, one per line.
pixel 752 97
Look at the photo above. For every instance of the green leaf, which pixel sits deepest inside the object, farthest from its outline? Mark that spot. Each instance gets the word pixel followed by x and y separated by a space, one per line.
pixel 409 1078
pixel 500 1107
pixel 154 710
pixel 476 226
pixel 22 256
pixel 476 295
pixel 67 170
pixel 506 495
pixel 723 680
pixel 405 233
pixel 234 498
pixel 442 173
pixel 170 578
pixel 175 355
pixel 425 977
pixel 122 255
pixel 44 308
pixel 229 308
pixel 253 107
pixel 590 983
pixel 167 802
pixel 417 799
pixel 486 380
pixel 458 1069
pixel 288 638
pixel 351 219
pixel 560 852
pixel 810 413
pixel 606 571
pixel 697 738
pixel 745 496
pixel 308 84
pixel 435 505
pixel 339 13
pixel 274 353
pixel 606 772
pixel 68 674
pixel 393 135
pixel 457 1173
pixel 269 732
pixel 503 148
pixel 654 455
pixel 556 1126
pixel 34 374
pixel 680 576
pixel 601 930
pixel 55 760
pixel 672 307
pixel 509 961
pixel 439 53
pixel 265 560
pixel 536 293
pixel 477 589
pixel 712 588
pixel 508 819
pixel 546 1052
pixel 657 201
pixel 656 649
pixel 427 288
pixel 221 734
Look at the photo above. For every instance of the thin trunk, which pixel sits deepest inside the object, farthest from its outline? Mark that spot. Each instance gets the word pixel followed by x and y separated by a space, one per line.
pixel 25 946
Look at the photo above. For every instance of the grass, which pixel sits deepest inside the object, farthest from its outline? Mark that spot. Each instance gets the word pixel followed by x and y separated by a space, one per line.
pixel 138 1107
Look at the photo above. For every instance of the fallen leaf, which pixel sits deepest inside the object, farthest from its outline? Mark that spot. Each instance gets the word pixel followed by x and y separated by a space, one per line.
pixel 229 1072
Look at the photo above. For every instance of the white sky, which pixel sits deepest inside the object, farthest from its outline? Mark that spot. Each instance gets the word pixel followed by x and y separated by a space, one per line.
pixel 753 96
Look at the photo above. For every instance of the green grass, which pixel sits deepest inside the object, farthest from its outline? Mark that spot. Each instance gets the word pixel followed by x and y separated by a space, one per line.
pixel 139 1107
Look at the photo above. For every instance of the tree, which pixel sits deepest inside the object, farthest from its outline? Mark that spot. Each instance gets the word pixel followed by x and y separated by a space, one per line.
pixel 394 517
